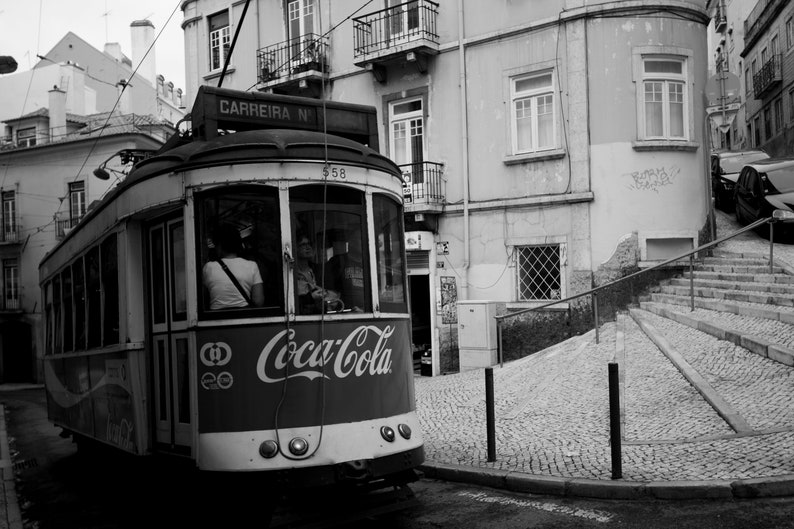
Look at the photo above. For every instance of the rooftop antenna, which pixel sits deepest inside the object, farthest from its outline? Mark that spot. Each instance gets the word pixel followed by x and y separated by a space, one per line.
pixel 105 15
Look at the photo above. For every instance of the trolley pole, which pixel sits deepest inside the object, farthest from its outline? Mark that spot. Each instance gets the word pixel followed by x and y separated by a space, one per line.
pixel 614 421
pixel 489 414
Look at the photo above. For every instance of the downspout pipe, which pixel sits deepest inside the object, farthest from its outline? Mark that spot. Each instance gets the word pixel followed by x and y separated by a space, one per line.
pixel 464 150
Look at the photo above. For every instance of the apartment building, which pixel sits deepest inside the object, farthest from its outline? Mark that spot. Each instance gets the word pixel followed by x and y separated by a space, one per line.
pixel 62 120
pixel 547 146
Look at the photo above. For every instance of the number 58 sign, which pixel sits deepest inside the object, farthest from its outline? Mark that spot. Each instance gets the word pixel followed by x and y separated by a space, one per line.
pixel 330 171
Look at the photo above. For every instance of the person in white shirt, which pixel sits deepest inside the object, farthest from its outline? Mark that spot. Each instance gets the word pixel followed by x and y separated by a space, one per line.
pixel 223 293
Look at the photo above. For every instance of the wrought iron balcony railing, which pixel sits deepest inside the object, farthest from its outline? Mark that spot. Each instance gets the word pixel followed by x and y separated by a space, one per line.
pixel 720 20
pixel 286 59
pixel 64 224
pixel 423 183
pixel 9 234
pixel 396 26
pixel 767 77
pixel 10 303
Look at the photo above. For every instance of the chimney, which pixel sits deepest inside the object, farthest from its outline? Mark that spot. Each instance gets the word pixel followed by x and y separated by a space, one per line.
pixel 114 50
pixel 142 39
pixel 57 112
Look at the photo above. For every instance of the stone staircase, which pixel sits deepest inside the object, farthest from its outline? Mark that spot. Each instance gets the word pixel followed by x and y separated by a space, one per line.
pixel 737 298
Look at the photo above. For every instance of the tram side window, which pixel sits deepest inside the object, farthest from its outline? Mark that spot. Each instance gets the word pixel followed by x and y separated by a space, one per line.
pixel 389 252
pixel 239 228
pixel 110 289
pixel 48 320
pixel 78 277
pixel 68 310
pixel 331 260
pixel 94 298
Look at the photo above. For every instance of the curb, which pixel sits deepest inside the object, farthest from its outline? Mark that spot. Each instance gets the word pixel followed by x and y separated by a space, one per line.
pixel 770 487
pixel 10 508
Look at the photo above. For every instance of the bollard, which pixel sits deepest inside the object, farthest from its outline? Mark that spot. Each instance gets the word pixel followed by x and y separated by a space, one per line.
pixel 595 314
pixel 614 421
pixel 489 414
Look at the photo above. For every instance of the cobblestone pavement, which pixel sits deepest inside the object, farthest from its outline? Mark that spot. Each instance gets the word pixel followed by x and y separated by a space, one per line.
pixel 552 408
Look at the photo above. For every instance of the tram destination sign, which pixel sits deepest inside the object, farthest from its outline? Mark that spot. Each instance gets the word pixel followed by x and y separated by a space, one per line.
pixel 236 110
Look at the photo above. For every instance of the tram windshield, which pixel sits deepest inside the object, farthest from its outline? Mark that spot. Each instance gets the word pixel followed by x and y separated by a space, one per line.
pixel 239 231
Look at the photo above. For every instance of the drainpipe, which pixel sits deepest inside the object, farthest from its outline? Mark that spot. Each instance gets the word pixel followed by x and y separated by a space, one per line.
pixel 464 144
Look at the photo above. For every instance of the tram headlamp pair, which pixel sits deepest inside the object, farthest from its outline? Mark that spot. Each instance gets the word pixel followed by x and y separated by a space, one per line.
pixel 387 432
pixel 297 446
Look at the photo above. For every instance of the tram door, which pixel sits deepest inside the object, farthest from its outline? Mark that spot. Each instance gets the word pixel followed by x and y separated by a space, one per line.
pixel 168 313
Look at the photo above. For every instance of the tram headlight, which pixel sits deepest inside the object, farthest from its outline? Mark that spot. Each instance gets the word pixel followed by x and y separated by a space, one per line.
pixel 387 432
pixel 298 446
pixel 404 430
pixel 268 449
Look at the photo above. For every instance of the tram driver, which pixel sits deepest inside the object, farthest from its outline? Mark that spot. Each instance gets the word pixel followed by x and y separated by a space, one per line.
pixel 308 288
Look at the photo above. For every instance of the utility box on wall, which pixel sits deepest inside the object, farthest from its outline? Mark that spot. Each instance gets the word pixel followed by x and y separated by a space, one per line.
pixel 478 342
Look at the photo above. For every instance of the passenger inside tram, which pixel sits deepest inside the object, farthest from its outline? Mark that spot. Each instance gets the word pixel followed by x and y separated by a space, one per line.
pixel 232 281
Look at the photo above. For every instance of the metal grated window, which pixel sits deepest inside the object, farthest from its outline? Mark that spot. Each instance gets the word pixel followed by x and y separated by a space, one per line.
pixel 539 272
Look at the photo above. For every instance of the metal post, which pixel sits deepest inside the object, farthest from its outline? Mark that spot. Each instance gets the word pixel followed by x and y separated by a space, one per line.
pixel 614 421
pixel 499 337
pixel 595 311
pixel 692 282
pixel 771 244
pixel 489 414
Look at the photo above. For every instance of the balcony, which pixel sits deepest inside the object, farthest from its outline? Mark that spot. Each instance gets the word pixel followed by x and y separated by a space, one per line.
pixel 423 187
pixel 763 14
pixel 9 235
pixel 297 66
pixel 10 303
pixel 64 224
pixel 769 77
pixel 405 32
pixel 720 20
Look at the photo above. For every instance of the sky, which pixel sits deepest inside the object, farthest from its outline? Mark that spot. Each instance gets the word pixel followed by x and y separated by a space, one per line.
pixel 31 27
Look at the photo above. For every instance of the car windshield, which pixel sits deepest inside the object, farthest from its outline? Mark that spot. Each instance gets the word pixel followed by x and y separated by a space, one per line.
pixel 734 163
pixel 782 179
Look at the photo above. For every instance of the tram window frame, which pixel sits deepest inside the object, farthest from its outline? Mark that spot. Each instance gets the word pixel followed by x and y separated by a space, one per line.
pixel 390 259
pixel 329 225
pixel 80 305
pixel 67 311
pixel 93 298
pixel 109 277
pixel 257 216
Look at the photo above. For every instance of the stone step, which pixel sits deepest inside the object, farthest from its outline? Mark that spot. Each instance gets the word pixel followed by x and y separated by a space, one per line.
pixel 756 310
pixel 722 284
pixel 783 279
pixel 737 269
pixel 736 261
pixel 770 298
pixel 765 337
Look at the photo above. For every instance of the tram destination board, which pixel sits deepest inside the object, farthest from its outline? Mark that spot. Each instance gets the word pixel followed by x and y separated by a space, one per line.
pixel 220 108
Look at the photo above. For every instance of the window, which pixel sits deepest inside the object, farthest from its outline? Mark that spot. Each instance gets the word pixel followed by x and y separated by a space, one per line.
pixel 251 215
pixel 778 115
pixel 757 132
pixel 789 32
pixel 93 297
pixel 330 250
pixel 110 291
pixel 9 216
pixel 747 82
pixel 533 117
pixel 406 137
pixel 76 201
pixel 665 104
pixel 403 18
pixel 10 284
pixel 389 249
pixel 219 39
pixel 791 105
pixel 539 272
pixel 773 46
pixel 300 23
pixel 763 57
pixel 26 137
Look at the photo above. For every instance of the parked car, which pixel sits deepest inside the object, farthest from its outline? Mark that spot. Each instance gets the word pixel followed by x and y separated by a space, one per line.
pixel 762 187
pixel 725 167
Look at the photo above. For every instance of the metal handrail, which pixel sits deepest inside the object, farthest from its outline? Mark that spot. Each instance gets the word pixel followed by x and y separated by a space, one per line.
pixel 594 291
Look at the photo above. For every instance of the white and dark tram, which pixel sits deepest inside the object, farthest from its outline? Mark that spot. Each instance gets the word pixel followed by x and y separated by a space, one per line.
pixel 140 358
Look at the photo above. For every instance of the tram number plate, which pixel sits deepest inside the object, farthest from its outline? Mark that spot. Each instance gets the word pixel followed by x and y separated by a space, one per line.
pixel 329 171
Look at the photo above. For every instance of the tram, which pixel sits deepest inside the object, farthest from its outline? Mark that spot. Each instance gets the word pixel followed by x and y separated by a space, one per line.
pixel 314 384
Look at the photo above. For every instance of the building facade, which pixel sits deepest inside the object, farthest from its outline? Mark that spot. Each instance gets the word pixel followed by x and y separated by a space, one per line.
pixel 546 146
pixel 754 40
pixel 62 120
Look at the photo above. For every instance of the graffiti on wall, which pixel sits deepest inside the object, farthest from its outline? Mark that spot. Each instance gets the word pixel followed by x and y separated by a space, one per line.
pixel 449 300
pixel 652 179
